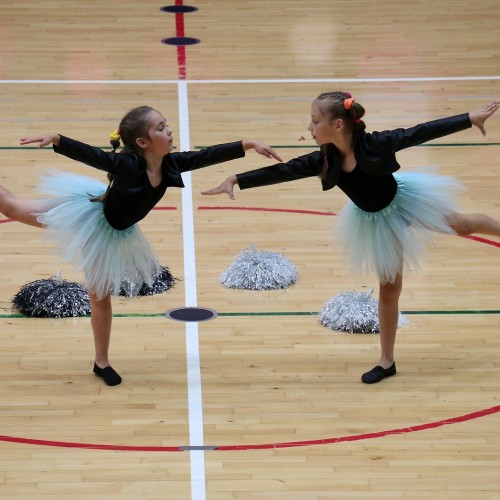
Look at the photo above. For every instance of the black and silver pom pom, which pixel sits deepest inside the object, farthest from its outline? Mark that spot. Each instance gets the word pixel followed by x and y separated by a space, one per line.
pixel 52 298
pixel 161 284
pixel 353 312
pixel 259 270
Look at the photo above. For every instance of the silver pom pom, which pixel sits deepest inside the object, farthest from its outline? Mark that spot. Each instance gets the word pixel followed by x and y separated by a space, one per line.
pixel 52 298
pixel 353 312
pixel 259 270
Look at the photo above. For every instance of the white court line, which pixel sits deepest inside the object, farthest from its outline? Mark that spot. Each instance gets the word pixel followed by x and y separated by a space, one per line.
pixel 264 80
pixel 195 410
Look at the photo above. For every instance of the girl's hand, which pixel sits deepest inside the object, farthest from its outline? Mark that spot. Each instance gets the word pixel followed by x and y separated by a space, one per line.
pixel 226 187
pixel 480 115
pixel 261 148
pixel 43 140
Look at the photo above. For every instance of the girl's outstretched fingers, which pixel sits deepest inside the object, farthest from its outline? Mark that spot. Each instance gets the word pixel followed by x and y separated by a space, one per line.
pixel 42 140
pixel 30 140
pixel 261 148
pixel 480 115
pixel 226 187
pixel 271 153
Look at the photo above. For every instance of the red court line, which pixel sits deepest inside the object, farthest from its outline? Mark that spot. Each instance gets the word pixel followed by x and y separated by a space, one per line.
pixel 373 435
pixel 313 212
pixel 257 209
pixel 3 221
pixel 483 240
pixel 292 444
pixel 358 437
pixel 286 210
pixel 88 446
pixel 181 49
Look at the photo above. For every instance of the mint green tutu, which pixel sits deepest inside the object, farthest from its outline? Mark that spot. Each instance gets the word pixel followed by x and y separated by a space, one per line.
pixel 111 260
pixel 396 237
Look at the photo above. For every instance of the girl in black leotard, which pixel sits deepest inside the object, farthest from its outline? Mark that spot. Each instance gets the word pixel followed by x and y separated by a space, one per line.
pixel 382 226
pixel 95 227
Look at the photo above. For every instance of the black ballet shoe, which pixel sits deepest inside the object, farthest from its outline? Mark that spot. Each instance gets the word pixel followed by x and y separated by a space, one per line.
pixel 109 376
pixel 378 373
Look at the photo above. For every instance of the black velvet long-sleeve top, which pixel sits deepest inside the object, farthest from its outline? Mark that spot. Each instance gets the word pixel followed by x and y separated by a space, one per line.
pixel 371 185
pixel 132 196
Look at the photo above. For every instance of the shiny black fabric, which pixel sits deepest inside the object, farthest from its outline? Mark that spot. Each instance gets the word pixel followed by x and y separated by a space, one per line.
pixel 375 155
pixel 132 196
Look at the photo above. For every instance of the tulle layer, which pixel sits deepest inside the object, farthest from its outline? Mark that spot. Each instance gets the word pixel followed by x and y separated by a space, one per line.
pixel 385 242
pixel 111 260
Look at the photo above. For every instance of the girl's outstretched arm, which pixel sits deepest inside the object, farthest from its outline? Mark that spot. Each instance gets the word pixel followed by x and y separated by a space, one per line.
pixel 43 140
pixel 480 115
pixel 226 187
pixel 261 148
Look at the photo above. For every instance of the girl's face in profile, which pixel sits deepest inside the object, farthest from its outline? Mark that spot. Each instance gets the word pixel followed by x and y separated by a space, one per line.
pixel 159 133
pixel 322 129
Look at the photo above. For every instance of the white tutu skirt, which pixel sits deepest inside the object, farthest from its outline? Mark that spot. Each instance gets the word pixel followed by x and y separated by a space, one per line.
pixel 385 242
pixel 111 260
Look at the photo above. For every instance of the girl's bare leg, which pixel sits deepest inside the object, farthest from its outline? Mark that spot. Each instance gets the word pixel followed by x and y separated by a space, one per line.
pixel 388 314
pixel 21 209
pixel 467 224
pixel 101 318
pixel 389 293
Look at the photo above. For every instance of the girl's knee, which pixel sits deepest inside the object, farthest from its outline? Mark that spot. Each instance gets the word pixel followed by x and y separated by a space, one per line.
pixel 391 291
pixel 9 209
pixel 103 303
pixel 461 224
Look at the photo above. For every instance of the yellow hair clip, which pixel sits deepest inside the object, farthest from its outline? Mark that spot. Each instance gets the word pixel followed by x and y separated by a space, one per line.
pixel 115 135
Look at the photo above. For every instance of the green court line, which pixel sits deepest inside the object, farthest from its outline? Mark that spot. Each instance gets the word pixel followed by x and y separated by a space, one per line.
pixel 293 313
pixel 458 144
pixel 311 313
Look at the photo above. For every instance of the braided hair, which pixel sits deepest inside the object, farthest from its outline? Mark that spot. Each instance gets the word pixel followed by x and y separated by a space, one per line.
pixel 342 105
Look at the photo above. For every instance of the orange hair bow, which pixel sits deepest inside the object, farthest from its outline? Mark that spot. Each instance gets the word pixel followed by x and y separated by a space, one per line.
pixel 348 103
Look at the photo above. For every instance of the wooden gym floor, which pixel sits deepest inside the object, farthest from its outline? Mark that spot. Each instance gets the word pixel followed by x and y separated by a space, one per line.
pixel 263 401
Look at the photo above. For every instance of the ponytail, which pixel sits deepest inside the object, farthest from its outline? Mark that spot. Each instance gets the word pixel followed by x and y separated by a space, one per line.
pixel 133 125
pixel 114 140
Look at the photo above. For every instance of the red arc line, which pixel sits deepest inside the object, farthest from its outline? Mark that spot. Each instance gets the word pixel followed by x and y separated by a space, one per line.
pixel 292 444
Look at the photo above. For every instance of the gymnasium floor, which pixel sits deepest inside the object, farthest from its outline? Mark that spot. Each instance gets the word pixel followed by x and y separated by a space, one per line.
pixel 262 401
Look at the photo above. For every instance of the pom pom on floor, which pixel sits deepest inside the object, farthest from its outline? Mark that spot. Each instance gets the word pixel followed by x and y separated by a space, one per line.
pixel 353 312
pixel 259 270
pixel 161 284
pixel 52 298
